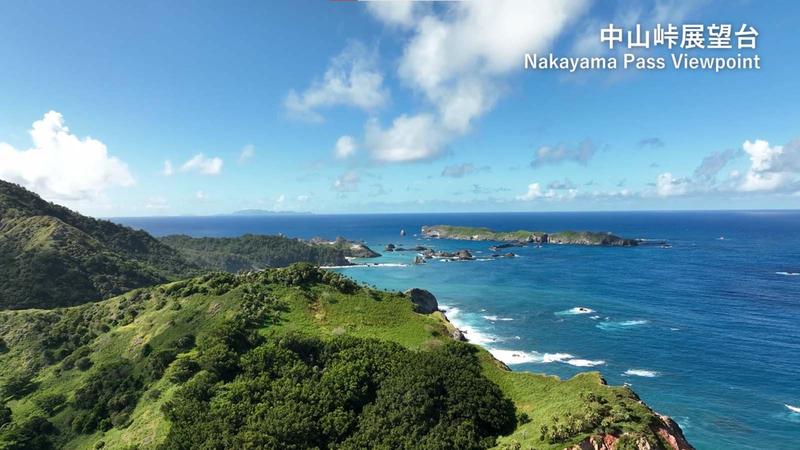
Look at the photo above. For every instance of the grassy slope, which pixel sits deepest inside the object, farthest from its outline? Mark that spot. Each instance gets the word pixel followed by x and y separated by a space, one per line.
pixel 51 256
pixel 151 316
pixel 253 252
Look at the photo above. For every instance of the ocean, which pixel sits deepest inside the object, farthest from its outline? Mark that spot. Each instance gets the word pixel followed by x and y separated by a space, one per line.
pixel 705 329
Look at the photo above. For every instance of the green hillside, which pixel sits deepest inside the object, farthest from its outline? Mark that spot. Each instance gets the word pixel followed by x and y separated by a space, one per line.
pixel 51 256
pixel 283 358
pixel 253 252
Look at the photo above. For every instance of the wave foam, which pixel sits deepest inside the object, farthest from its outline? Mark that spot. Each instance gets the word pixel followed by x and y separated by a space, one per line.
pixel 793 409
pixel 476 336
pixel 620 325
pixel 496 319
pixel 575 311
pixel 511 357
pixel 556 357
pixel 788 274
pixel 641 373
pixel 585 362
pixel 354 266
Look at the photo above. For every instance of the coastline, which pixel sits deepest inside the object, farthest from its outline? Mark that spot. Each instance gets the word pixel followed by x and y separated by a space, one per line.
pixel 666 428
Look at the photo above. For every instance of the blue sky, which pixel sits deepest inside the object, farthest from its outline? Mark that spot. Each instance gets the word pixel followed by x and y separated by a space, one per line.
pixel 343 107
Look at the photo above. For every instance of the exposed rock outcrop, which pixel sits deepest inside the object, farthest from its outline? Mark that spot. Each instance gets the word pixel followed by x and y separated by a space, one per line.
pixel 458 335
pixel 424 301
pixel 666 429
pixel 672 434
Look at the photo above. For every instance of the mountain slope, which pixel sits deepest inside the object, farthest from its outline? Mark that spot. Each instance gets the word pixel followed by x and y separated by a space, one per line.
pixel 51 256
pixel 254 252
pixel 285 358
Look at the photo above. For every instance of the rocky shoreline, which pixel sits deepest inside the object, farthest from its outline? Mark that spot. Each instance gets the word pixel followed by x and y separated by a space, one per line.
pixel 668 431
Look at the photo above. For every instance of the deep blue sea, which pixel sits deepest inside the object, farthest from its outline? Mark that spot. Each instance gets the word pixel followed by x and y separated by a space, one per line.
pixel 706 331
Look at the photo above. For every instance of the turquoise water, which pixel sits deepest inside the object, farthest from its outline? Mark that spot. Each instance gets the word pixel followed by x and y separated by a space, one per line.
pixel 706 331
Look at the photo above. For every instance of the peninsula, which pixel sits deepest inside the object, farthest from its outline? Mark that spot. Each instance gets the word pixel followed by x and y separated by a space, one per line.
pixel 523 237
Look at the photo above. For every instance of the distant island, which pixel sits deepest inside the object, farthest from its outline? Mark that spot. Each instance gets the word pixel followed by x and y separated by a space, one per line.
pixel 523 237
pixel 265 212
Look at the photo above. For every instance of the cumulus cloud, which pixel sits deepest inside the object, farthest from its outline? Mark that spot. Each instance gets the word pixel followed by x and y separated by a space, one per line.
pixel 167 170
pixel 409 138
pixel 395 13
pixel 62 166
pixel 667 185
pixel 535 192
pixel 551 155
pixel 199 195
pixel 247 153
pixel 199 163
pixel 345 147
pixel 347 182
pixel 352 79
pixel 456 57
pixel 771 167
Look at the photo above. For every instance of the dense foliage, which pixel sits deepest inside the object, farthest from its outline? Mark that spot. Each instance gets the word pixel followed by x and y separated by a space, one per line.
pixel 51 256
pixel 297 392
pixel 251 252
pixel 284 358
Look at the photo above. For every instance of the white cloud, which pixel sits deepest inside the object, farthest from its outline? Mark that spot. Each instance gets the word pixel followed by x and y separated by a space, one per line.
pixel 347 182
pixel 167 171
pixel 281 198
pixel 771 167
pixel 247 153
pixel 61 166
pixel 303 198
pixel 345 147
pixel 392 12
pixel 409 138
pixel 199 195
pixel 201 164
pixel 535 192
pixel 352 79
pixel 456 57
pixel 668 185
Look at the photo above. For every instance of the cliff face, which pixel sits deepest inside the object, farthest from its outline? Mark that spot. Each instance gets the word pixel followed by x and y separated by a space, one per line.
pixel 525 237
pixel 665 428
